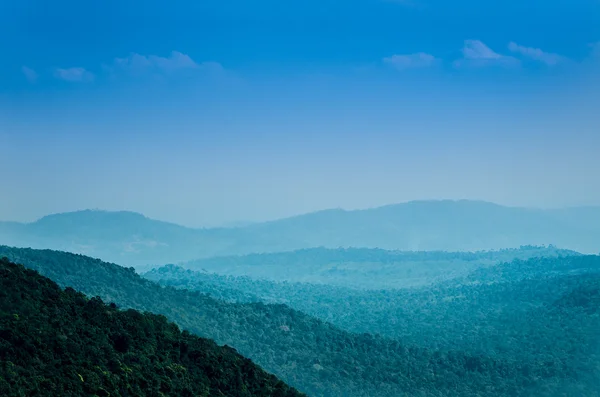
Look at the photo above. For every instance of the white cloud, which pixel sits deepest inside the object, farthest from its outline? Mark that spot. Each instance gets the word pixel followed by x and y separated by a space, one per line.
pixel 536 54
pixel 74 75
pixel 176 61
pixel 475 49
pixel 30 74
pixel 476 53
pixel 418 60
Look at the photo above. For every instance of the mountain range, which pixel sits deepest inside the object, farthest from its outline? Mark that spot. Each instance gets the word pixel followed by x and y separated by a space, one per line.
pixel 320 359
pixel 365 268
pixel 131 239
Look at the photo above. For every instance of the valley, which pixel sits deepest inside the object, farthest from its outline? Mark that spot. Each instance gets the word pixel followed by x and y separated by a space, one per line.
pixel 510 323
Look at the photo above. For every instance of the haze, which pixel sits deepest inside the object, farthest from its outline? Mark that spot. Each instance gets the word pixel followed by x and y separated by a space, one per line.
pixel 202 123
pixel 367 198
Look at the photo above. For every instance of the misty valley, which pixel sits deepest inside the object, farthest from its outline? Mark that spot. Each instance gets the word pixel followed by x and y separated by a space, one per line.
pixel 316 198
pixel 435 298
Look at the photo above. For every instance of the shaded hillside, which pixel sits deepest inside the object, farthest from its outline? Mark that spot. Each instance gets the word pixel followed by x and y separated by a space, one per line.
pixel 535 268
pixel 61 343
pixel 366 268
pixel 133 240
pixel 505 310
pixel 309 354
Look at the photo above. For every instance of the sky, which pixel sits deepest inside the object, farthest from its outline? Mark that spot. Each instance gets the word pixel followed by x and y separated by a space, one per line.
pixel 210 112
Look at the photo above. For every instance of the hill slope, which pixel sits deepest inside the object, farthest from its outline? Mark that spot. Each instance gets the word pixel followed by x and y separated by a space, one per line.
pixel 133 240
pixel 306 353
pixel 60 343
pixel 124 237
pixel 505 310
pixel 365 268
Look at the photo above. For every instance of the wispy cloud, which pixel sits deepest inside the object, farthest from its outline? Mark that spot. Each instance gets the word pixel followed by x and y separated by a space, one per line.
pixel 409 61
pixel 175 62
pixel 476 53
pixel 536 54
pixel 30 74
pixel 74 75
pixel 475 49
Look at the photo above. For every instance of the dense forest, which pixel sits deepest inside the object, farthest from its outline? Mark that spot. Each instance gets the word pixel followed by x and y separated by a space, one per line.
pixel 62 343
pixel 310 354
pixel 366 268
pixel 509 310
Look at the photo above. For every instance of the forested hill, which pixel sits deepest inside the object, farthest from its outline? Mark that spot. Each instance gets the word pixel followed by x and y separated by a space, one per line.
pixel 61 343
pixel 366 268
pixel 541 307
pixel 134 240
pixel 315 357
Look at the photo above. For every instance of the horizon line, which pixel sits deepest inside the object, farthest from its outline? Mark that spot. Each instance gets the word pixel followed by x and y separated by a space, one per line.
pixel 330 209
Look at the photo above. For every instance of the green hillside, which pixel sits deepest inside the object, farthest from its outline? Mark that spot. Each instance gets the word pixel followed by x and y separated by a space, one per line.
pixel 61 343
pixel 366 268
pixel 309 354
pixel 507 310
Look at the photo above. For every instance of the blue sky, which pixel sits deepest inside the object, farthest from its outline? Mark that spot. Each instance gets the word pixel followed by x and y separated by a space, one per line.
pixel 204 112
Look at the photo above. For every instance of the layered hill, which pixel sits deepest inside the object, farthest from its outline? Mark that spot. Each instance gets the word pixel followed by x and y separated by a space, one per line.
pixel 56 342
pixel 124 237
pixel 522 310
pixel 366 268
pixel 309 354
pixel 134 240
pixel 507 309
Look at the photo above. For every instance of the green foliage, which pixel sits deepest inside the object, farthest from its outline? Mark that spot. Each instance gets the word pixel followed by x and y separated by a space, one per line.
pixel 60 343
pixel 541 309
pixel 364 268
pixel 307 353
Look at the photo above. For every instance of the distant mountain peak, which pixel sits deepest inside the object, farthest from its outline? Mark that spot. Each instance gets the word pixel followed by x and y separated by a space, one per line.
pixel 92 214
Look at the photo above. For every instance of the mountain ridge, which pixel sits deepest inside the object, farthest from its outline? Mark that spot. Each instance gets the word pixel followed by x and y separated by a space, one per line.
pixel 132 239
pixel 309 354
pixel 365 268
pixel 237 224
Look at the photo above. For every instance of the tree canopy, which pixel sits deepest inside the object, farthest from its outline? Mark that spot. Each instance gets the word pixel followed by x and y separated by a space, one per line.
pixel 61 343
